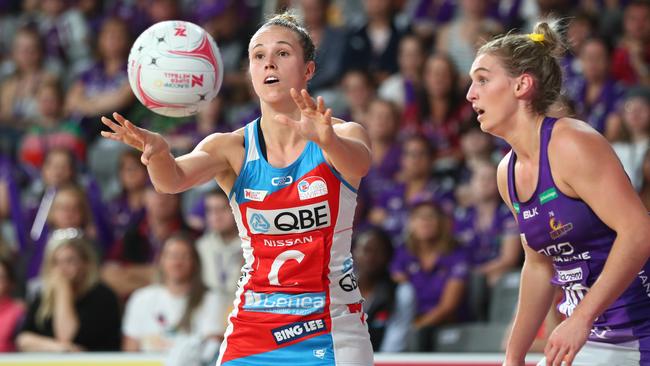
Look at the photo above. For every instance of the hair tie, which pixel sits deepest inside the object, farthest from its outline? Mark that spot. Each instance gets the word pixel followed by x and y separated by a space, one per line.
pixel 536 37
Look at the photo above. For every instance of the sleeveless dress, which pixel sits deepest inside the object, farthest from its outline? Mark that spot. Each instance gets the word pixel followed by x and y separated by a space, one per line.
pixel 568 230
pixel 298 301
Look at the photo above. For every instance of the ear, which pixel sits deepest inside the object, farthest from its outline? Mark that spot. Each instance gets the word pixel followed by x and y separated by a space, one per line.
pixel 524 85
pixel 310 70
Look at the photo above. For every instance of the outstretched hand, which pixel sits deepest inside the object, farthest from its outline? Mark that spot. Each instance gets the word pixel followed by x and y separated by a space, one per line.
pixel 315 122
pixel 122 130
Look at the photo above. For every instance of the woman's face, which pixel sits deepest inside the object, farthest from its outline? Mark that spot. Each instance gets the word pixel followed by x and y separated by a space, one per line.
pixel 593 58
pixel 416 160
pixel 69 263
pixel 49 102
pixel 381 123
pixel 113 40
pixel 483 183
pixel 57 169
pixel 369 255
pixel 492 94
pixel 424 223
pixel 26 51
pixel 276 63
pixel 67 210
pixel 636 115
pixel 410 57
pixel 357 91
pixel 132 173
pixel 176 261
pixel 218 214
pixel 438 76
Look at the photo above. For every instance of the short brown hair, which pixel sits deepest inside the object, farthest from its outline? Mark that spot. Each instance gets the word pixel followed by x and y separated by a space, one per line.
pixel 520 54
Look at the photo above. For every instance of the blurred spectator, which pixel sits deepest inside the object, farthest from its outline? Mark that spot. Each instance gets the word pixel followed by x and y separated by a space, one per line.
pixel 131 259
pixel 359 91
pixel 390 307
pixel 18 106
pixel 329 42
pixel 580 27
pixel 51 129
pixel 476 147
pixel 220 247
pixel 429 15
pixel 443 109
pixel 104 87
pixel 436 269
pixel 458 37
pixel 595 94
pixel 487 229
pixel 180 306
pixel 645 181
pixel 373 46
pixel 401 88
pixel 11 310
pixel 92 12
pixel 73 311
pixel 66 34
pixel 210 119
pixel 631 59
pixel 636 133
pixel 414 182
pixel 128 206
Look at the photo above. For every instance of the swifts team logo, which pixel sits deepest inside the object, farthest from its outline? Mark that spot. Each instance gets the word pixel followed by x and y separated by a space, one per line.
pixel 312 187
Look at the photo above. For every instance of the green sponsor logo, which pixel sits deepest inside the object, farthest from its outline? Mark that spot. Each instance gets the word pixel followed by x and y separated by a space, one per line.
pixel 548 195
pixel 516 206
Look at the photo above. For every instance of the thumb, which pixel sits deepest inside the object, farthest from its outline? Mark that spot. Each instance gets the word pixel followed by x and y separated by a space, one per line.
pixel 146 154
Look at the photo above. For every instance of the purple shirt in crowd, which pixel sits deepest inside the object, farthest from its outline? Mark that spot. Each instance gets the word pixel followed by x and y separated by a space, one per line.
pixel 483 245
pixel 595 113
pixel 567 230
pixel 430 285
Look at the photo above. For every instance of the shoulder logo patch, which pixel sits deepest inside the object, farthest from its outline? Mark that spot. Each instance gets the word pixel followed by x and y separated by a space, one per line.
pixel 255 195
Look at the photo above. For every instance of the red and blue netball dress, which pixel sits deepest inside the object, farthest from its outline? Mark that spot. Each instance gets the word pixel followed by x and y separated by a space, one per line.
pixel 298 300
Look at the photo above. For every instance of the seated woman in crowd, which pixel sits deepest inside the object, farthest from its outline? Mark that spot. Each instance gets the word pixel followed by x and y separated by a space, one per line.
pixel 11 310
pixel 160 316
pixel 128 205
pixel 50 129
pixel 435 267
pixel 104 87
pixel 390 307
pixel 486 229
pixel 73 310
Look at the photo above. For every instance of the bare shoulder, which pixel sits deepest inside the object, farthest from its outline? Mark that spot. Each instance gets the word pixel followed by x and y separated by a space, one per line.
pixel 573 136
pixel 228 145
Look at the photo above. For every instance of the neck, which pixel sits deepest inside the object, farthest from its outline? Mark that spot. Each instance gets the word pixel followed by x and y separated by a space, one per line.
pixel 178 288
pixel 276 133
pixel 378 22
pixel 522 132
pixel 113 65
pixel 135 198
pixel 486 207
pixel 228 235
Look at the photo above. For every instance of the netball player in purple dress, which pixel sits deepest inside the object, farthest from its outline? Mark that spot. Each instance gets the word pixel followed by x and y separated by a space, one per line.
pixel 583 227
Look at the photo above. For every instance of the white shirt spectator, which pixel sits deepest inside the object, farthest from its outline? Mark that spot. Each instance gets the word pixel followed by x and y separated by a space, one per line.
pixel 153 312
pixel 221 261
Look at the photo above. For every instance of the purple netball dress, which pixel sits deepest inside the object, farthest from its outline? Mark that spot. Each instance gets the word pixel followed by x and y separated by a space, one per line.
pixel 567 230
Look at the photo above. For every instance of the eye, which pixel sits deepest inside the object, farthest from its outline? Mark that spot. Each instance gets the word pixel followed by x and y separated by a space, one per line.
pixel 482 81
pixel 283 53
pixel 258 56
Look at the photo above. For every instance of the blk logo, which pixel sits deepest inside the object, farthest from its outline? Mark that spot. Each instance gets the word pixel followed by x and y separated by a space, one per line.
pixel 181 31
pixel 197 80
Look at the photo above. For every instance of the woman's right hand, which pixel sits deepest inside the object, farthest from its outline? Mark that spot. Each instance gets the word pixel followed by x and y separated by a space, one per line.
pixel 150 143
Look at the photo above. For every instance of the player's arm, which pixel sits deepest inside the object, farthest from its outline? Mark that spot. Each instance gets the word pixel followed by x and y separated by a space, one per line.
pixel 169 174
pixel 596 176
pixel 349 151
pixel 535 292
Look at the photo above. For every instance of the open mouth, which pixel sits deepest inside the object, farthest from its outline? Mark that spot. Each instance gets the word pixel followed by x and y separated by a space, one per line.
pixel 271 80
pixel 479 111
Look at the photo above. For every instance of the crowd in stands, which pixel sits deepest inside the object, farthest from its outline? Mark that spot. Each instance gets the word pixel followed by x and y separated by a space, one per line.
pixel 92 258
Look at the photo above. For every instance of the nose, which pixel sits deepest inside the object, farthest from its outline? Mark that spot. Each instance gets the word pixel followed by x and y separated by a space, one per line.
pixel 471 93
pixel 270 64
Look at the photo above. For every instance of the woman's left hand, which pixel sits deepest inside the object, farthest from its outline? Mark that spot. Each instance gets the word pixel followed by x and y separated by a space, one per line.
pixel 566 341
pixel 315 122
